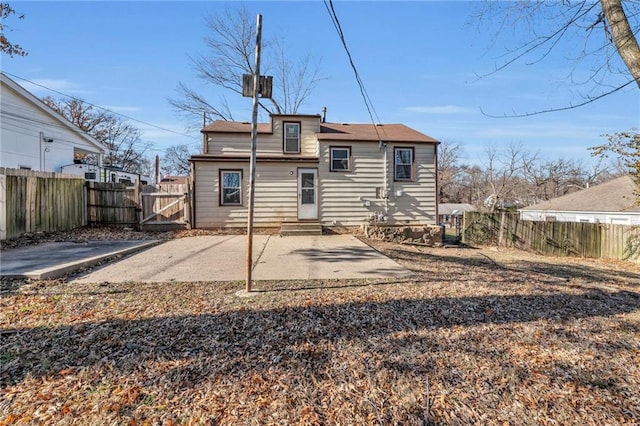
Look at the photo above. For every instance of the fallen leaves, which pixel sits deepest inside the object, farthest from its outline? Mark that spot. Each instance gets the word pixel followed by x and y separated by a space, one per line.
pixel 513 339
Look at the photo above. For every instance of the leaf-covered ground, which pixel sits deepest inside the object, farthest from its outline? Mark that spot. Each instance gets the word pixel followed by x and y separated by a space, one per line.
pixel 478 336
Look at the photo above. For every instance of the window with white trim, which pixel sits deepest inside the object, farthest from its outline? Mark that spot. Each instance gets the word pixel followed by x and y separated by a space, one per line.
pixel 230 187
pixel 291 138
pixel 340 158
pixel 403 164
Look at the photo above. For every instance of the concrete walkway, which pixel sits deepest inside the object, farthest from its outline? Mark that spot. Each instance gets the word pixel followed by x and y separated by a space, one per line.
pixel 223 258
pixel 52 260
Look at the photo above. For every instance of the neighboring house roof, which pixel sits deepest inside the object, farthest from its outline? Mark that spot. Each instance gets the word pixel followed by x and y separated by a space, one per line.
pixel 617 195
pixel 334 131
pixel 50 111
pixel 369 132
pixel 449 208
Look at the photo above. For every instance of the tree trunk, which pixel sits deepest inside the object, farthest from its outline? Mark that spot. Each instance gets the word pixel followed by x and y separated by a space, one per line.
pixel 623 36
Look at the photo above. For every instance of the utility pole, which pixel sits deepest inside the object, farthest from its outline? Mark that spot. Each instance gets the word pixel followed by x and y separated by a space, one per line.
pixel 252 164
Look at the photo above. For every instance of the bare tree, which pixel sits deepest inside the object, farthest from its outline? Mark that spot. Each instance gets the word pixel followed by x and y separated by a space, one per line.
pixel 600 31
pixel 176 161
pixel 625 148
pixel 230 54
pixel 503 171
pixel 126 147
pixel 6 46
pixel 448 170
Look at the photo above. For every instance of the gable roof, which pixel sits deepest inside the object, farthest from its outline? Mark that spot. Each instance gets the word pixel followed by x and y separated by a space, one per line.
pixel 36 102
pixel 370 132
pixel 617 195
pixel 333 131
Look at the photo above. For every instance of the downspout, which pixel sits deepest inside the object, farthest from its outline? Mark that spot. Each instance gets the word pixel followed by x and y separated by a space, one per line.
pixel 385 188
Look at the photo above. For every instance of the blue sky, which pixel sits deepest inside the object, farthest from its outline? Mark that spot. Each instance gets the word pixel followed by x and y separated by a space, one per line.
pixel 419 62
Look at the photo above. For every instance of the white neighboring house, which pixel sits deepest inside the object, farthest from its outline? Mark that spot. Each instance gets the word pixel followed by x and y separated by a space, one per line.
pixel 35 137
pixel 613 202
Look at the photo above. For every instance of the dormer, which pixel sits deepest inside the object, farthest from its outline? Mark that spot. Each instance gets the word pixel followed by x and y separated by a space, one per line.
pixel 286 135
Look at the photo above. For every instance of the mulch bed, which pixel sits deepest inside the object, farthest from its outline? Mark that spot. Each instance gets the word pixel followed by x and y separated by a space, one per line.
pixel 476 337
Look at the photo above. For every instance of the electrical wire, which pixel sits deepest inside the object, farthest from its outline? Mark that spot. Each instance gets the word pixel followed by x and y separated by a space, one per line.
pixel 363 91
pixel 102 108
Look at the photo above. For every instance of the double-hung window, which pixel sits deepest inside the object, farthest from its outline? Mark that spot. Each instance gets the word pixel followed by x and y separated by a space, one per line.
pixel 403 164
pixel 291 138
pixel 340 158
pixel 230 187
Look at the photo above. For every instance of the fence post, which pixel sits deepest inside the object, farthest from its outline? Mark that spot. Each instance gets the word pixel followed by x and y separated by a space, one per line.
pixel 501 230
pixel 137 195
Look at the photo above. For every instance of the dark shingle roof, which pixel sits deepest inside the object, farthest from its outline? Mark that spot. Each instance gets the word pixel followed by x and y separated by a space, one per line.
pixel 369 132
pixel 335 131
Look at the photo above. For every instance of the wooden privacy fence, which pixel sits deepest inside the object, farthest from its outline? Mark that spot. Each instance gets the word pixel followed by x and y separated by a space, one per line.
pixel 48 202
pixel 112 204
pixel 166 205
pixel 151 207
pixel 39 202
pixel 553 238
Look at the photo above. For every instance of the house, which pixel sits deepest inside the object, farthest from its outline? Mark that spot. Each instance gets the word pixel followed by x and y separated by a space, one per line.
pixel 450 214
pixel 35 137
pixel 337 174
pixel 613 202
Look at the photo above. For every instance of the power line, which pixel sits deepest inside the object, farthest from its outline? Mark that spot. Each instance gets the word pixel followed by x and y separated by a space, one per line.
pixel 363 91
pixel 102 108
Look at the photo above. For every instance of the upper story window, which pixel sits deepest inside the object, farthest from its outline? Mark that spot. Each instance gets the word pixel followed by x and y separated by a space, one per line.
pixel 403 164
pixel 340 158
pixel 291 138
pixel 230 187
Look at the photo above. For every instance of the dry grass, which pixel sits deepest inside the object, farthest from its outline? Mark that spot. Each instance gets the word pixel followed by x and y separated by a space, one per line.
pixel 479 336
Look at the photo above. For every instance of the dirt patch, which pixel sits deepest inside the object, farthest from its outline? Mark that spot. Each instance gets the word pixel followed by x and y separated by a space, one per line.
pixel 480 337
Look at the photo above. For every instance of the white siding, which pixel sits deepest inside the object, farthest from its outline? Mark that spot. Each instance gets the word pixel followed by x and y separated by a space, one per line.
pixel 268 144
pixel 20 141
pixel 417 202
pixel 616 218
pixel 276 196
pixel 349 198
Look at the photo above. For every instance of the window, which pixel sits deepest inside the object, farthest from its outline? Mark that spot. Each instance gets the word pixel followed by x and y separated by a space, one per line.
pixel 230 187
pixel 291 138
pixel 403 164
pixel 90 175
pixel 340 159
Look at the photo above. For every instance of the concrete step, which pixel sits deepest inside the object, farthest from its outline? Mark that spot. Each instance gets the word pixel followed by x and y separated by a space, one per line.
pixel 300 228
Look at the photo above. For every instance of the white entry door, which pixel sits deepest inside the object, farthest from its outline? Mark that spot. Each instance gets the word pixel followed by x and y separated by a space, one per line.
pixel 307 193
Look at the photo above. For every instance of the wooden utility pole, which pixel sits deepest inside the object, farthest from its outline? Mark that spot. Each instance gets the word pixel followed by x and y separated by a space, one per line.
pixel 252 163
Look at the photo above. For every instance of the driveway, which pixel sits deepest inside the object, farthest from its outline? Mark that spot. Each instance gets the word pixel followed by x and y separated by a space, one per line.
pixel 223 258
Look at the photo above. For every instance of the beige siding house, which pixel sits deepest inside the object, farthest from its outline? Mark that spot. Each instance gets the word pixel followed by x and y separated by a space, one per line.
pixel 308 170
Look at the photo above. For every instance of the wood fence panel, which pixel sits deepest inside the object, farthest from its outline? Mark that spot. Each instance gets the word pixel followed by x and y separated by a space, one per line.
pixel 39 202
pixel 553 238
pixel 112 204
pixel 165 206
pixel 621 242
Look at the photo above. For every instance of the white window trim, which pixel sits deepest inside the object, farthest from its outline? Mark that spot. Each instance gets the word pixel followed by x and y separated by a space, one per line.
pixel 344 148
pixel 222 187
pixel 284 137
pixel 411 178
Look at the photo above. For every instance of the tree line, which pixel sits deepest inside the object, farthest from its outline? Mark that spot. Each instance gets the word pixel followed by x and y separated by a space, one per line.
pixel 515 176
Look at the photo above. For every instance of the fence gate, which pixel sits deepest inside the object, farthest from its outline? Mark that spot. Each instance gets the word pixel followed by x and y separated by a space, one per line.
pixel 165 206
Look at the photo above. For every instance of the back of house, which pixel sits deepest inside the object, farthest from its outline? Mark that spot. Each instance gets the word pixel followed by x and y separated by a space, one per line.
pixel 337 174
